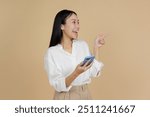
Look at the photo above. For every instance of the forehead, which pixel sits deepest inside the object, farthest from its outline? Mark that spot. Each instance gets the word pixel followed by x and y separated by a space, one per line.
pixel 72 17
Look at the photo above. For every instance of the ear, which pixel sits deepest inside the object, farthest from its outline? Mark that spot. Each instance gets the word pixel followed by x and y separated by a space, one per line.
pixel 62 27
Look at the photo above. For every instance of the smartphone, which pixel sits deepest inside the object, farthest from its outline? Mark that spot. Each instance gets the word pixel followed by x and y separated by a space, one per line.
pixel 91 58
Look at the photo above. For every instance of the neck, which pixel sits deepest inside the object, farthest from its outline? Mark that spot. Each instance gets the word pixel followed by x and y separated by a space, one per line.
pixel 66 43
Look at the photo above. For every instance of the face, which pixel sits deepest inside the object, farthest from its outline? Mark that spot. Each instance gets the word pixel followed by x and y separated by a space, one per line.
pixel 71 28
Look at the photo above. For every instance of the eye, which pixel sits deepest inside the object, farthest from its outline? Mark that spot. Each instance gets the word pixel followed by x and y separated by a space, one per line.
pixel 73 22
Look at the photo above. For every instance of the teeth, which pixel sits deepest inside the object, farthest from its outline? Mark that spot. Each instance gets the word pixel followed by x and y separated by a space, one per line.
pixel 75 31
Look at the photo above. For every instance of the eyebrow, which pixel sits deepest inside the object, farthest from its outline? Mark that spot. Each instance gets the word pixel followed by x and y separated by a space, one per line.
pixel 75 19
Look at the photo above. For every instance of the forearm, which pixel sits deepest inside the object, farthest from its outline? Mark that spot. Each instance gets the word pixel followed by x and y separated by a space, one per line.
pixel 71 78
pixel 96 52
pixel 99 41
pixel 79 70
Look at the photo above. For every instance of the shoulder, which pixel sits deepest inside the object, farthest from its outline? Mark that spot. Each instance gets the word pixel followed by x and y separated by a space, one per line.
pixel 51 50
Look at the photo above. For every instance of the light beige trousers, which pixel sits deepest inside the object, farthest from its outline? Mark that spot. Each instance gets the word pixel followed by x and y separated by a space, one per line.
pixel 75 93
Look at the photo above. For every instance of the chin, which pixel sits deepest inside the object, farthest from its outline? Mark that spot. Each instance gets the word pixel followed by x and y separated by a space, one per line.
pixel 75 37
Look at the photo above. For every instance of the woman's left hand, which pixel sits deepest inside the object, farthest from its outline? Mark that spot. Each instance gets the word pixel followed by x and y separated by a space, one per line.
pixel 99 41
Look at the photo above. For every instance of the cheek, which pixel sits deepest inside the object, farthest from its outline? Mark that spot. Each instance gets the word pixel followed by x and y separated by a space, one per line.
pixel 68 29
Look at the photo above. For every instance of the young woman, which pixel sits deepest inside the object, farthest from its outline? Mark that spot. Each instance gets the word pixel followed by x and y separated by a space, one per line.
pixel 64 59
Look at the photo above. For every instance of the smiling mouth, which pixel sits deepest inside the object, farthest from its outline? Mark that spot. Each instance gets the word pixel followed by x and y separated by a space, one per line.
pixel 75 32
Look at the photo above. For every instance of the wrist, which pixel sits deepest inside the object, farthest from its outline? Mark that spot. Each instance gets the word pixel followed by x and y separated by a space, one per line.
pixel 75 74
pixel 96 50
pixel 97 45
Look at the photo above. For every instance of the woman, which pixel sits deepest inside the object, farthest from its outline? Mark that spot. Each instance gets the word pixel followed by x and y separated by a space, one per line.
pixel 64 59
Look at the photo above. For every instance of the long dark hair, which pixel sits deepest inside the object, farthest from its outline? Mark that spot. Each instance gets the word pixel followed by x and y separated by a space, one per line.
pixel 60 19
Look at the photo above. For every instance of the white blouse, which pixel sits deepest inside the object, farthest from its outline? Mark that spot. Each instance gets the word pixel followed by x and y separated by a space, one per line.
pixel 59 64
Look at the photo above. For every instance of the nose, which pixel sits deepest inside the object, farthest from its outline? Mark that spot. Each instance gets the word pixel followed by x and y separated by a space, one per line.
pixel 78 26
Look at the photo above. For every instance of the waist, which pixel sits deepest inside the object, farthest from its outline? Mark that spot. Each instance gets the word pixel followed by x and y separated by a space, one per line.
pixel 79 87
pixel 81 83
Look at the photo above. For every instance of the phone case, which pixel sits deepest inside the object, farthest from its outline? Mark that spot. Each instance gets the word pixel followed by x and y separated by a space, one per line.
pixel 91 58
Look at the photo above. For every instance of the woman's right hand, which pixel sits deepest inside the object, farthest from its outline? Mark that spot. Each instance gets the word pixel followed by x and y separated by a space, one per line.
pixel 82 68
pixel 79 69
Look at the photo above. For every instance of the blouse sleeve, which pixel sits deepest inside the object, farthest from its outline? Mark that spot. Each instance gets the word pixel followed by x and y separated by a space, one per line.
pixel 97 66
pixel 56 78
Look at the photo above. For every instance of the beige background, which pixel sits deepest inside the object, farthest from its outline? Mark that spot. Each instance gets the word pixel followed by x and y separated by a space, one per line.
pixel 25 29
